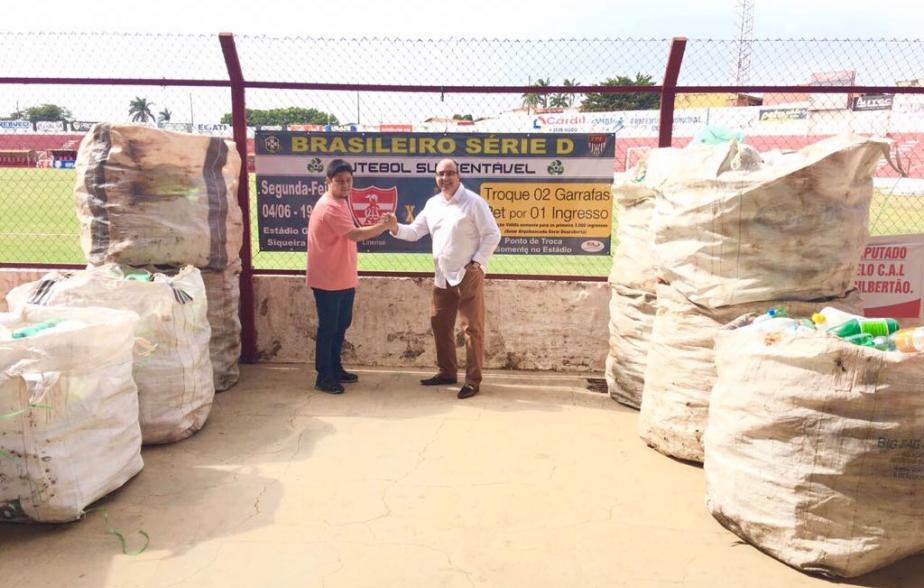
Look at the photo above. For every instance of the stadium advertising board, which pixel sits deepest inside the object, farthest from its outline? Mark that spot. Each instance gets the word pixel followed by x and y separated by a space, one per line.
pixel 890 277
pixel 549 193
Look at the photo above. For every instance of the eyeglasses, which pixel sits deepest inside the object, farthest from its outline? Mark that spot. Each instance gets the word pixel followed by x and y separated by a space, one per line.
pixel 448 173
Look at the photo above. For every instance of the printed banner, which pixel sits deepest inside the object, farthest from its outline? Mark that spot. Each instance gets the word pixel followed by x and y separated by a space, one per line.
pixel 550 194
pixel 891 277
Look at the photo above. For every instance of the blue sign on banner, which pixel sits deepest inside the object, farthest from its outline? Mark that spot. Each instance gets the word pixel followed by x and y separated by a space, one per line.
pixel 549 193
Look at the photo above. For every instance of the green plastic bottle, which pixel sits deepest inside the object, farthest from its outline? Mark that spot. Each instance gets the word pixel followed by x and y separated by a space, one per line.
pixel 862 339
pixel 872 326
pixel 33 329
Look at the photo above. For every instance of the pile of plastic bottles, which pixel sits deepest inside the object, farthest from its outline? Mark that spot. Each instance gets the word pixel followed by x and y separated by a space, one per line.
pixel 884 334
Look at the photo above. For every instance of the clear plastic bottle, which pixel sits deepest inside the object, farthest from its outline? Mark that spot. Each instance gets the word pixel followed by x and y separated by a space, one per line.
pixel 830 317
pixel 909 340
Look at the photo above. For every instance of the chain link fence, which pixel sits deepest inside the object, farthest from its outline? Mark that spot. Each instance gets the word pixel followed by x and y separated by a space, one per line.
pixel 56 85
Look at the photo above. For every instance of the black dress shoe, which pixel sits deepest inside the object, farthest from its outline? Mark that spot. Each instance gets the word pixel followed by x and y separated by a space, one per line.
pixel 345 377
pixel 328 386
pixel 467 391
pixel 438 381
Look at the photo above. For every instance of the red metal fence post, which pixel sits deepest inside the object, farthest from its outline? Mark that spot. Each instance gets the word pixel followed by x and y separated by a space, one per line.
pixel 239 121
pixel 669 90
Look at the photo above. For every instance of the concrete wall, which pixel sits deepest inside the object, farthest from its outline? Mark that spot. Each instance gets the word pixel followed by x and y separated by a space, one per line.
pixel 531 325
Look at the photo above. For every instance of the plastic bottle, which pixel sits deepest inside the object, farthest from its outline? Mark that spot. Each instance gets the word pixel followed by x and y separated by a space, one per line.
pixel 909 340
pixel 33 329
pixel 872 326
pixel 884 343
pixel 862 339
pixel 772 313
pixel 830 317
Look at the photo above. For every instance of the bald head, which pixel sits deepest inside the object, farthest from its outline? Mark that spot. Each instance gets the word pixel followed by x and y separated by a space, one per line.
pixel 447 177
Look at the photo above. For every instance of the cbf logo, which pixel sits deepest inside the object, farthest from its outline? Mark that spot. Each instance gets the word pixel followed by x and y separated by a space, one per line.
pixel 271 143
pixel 596 144
pixel 369 204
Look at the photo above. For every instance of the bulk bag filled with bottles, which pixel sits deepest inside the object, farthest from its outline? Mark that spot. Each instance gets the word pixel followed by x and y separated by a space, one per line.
pixel 69 433
pixel 634 275
pixel 735 226
pixel 223 289
pixel 681 372
pixel 815 450
pixel 147 196
pixel 174 379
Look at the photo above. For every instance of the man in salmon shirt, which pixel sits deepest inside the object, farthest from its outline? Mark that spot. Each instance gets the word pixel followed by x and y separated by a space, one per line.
pixel 331 274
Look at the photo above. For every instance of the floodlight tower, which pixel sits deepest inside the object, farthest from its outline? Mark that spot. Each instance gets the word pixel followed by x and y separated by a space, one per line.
pixel 745 26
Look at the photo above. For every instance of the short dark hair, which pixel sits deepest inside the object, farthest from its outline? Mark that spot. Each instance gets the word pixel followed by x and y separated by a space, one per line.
pixel 336 166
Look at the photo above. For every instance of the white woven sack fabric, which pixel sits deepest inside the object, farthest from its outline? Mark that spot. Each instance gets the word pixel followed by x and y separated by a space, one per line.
pixel 733 226
pixel 223 289
pixel 632 314
pixel 175 385
pixel 70 434
pixel 680 372
pixel 815 450
pixel 634 259
pixel 147 196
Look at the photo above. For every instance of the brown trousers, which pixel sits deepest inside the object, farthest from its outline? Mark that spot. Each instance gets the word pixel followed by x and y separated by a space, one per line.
pixel 465 299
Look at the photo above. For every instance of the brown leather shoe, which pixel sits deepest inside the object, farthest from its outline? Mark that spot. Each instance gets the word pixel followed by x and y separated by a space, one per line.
pixel 467 391
pixel 438 381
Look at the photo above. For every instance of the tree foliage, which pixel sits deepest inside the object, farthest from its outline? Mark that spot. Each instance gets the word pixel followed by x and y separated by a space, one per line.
pixel 531 100
pixel 51 112
pixel 285 116
pixel 140 110
pixel 563 100
pixel 599 102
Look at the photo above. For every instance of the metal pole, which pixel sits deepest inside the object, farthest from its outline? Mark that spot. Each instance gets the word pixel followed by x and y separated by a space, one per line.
pixel 239 120
pixel 669 91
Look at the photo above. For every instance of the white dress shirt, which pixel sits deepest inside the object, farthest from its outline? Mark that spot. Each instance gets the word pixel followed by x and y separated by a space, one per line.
pixel 463 229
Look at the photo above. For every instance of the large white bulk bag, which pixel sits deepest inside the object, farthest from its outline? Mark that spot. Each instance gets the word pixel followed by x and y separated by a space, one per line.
pixel 147 196
pixel 681 372
pixel 634 275
pixel 70 431
pixel 174 380
pixel 733 226
pixel 815 450
pixel 632 314
pixel 223 289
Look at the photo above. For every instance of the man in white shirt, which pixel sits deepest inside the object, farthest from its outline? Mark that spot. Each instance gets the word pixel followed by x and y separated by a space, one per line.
pixel 464 235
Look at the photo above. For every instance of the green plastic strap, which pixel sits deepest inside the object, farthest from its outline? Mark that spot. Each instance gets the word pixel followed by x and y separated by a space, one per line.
pixel 16 413
pixel 110 530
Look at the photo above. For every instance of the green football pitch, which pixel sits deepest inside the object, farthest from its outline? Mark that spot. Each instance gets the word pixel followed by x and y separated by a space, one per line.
pixel 38 225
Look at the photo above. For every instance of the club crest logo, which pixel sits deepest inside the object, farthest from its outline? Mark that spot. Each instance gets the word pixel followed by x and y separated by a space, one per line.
pixel 596 144
pixel 271 143
pixel 369 204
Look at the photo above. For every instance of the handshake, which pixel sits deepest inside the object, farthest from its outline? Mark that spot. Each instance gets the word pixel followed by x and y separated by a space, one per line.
pixel 389 221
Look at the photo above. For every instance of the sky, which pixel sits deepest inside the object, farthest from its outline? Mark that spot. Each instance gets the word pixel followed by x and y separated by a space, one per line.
pixel 408 63
pixel 535 19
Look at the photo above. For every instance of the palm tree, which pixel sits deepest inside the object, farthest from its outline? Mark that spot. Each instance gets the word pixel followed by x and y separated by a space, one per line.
pixel 543 98
pixel 563 100
pixel 164 115
pixel 570 84
pixel 531 100
pixel 140 110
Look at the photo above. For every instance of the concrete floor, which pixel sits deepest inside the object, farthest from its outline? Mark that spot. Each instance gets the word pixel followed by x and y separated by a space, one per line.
pixel 535 482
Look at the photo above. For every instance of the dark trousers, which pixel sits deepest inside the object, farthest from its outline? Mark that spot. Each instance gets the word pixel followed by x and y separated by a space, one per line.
pixel 335 314
pixel 465 300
